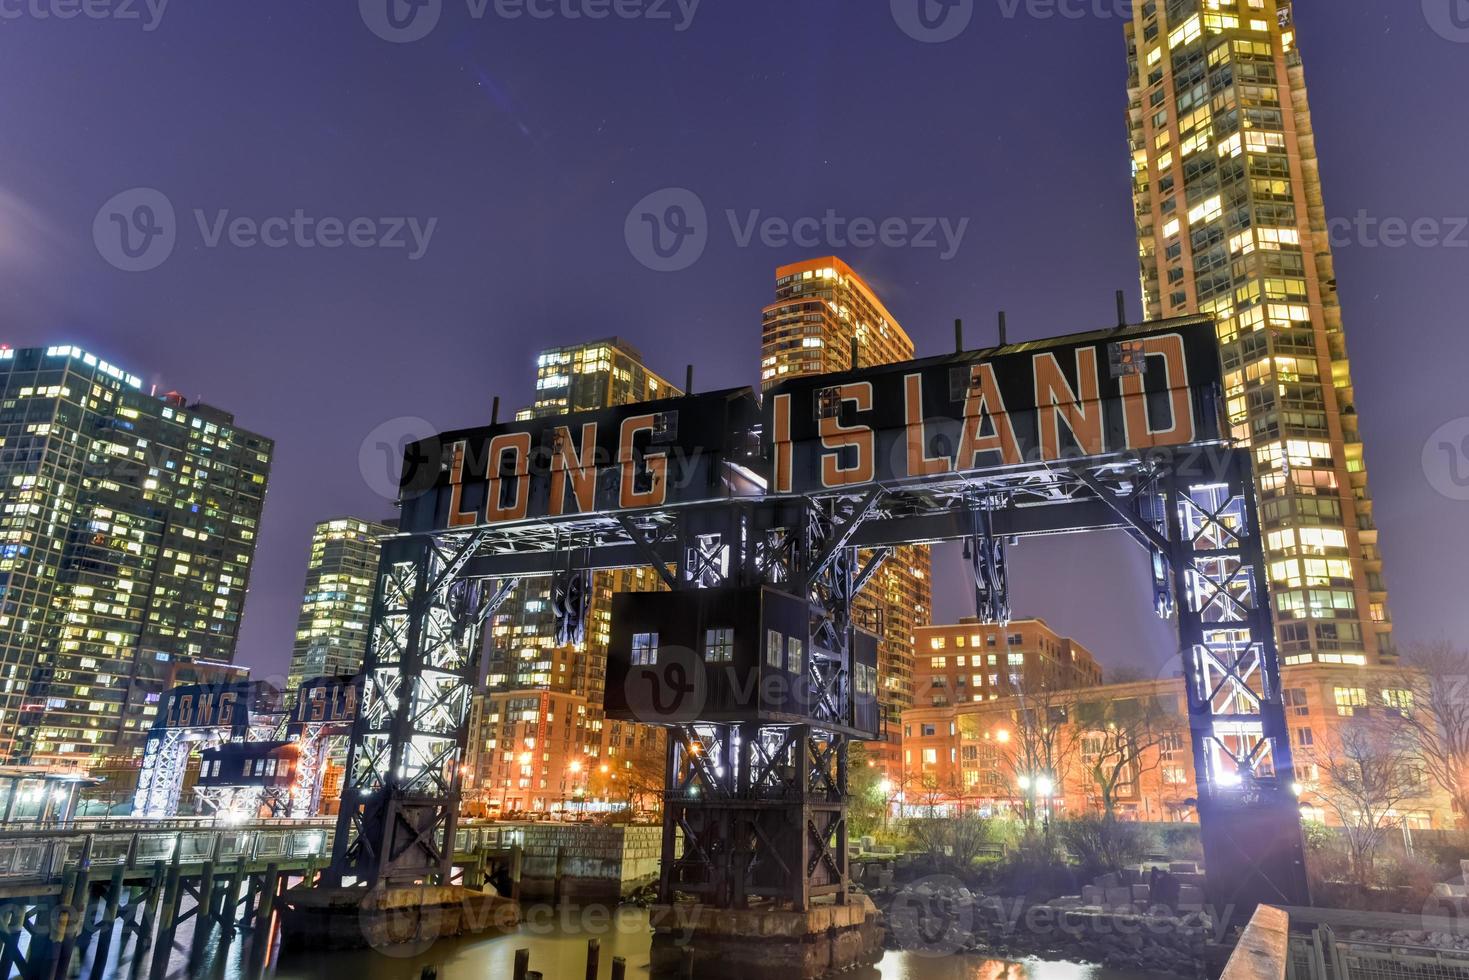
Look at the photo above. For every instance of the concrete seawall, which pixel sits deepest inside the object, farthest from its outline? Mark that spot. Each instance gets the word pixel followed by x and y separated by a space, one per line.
pixel 590 862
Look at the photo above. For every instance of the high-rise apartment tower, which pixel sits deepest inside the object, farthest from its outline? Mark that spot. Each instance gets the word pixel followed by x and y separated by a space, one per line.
pixel 821 307
pixel 1230 222
pixel 128 525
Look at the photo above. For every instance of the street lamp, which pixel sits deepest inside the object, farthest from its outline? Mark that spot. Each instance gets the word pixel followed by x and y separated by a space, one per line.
pixel 1038 788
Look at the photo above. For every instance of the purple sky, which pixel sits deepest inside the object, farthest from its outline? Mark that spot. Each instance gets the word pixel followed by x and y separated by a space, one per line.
pixel 530 140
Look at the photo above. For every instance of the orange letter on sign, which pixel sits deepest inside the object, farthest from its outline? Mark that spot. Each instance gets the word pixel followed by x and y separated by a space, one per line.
pixel 781 440
pixel 836 436
pixel 919 462
pixel 657 464
pixel 1055 402
pixel 1140 431
pixel 580 468
pixel 458 518
pixel 519 444
pixel 984 402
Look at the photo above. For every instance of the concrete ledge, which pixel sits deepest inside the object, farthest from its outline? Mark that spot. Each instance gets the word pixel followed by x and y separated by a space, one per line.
pixel 355 918
pixel 730 944
pixel 1263 948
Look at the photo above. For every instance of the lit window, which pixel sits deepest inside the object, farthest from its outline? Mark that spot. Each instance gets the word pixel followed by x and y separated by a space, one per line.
pixel 644 649
pixel 719 645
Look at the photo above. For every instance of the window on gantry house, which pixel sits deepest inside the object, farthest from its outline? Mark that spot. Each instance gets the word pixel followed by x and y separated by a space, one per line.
pixel 719 645
pixel 774 647
pixel 797 655
pixel 644 649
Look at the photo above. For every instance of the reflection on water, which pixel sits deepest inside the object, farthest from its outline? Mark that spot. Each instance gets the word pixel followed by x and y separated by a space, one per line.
pixel 557 939
pixel 558 944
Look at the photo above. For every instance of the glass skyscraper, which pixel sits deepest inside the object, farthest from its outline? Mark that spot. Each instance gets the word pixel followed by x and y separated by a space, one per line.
pixel 821 307
pixel 128 525
pixel 341 575
pixel 538 735
pixel 1231 223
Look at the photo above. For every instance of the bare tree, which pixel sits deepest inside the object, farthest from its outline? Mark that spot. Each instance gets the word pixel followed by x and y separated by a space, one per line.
pixel 1433 696
pixel 1041 745
pixel 1368 768
pixel 1120 740
pixel 635 776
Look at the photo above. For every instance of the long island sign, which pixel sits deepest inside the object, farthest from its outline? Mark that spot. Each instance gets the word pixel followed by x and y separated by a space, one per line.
pixel 1128 390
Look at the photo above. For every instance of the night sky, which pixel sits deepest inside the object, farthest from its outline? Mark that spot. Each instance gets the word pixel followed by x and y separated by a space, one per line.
pixel 530 141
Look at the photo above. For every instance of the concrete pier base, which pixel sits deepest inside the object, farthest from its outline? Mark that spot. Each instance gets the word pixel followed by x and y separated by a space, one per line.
pixel 354 918
pixel 739 945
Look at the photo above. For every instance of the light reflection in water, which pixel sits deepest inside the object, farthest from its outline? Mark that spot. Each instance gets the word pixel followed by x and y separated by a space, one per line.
pixel 558 945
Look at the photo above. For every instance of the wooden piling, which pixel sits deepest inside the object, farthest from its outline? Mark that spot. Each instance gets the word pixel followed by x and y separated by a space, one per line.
pixel 231 905
pixel 71 918
pixel 168 922
pixel 203 910
pixel 558 872
pixel 619 968
pixel 150 909
pixel 109 922
pixel 51 923
pixel 517 859
pixel 686 966
pixel 268 889
pixel 594 958
pixel 522 964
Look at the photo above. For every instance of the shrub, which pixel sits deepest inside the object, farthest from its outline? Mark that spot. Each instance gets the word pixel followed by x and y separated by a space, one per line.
pixel 1181 842
pixel 1100 846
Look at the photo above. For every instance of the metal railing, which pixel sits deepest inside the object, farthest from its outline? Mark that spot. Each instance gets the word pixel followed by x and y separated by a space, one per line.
pixel 1277 946
pixel 39 856
pixel 1324 956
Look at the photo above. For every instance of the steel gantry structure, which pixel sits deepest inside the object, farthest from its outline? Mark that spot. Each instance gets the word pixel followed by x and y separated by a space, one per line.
pixel 806 495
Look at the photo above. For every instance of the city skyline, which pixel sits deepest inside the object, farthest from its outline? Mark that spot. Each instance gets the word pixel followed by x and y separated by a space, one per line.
pixel 701 315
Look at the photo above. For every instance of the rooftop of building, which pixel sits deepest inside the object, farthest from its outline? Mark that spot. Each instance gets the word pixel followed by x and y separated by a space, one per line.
pixel 845 271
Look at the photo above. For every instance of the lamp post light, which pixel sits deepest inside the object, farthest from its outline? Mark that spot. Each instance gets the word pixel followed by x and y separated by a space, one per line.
pixel 1038 790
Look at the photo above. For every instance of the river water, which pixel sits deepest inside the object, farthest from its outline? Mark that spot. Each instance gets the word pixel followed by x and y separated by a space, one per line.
pixel 557 940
